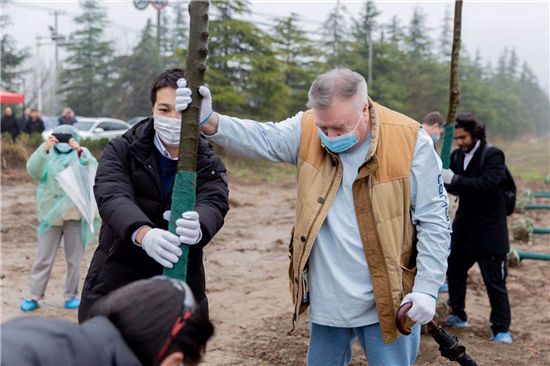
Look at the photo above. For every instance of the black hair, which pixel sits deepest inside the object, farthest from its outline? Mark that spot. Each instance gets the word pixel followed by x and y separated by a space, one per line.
pixel 144 313
pixel 167 78
pixel 34 110
pixel 432 118
pixel 469 123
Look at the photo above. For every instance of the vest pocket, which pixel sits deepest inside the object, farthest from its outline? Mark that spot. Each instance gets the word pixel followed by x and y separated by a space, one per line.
pixel 408 279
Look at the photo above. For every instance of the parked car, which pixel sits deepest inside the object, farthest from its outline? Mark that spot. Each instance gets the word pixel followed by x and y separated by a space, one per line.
pixel 97 128
pixel 133 121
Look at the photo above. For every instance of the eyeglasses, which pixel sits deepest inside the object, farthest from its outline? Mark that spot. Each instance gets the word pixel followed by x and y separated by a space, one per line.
pixel 189 306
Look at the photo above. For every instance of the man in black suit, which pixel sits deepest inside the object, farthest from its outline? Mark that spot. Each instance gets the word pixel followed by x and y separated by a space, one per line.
pixel 480 232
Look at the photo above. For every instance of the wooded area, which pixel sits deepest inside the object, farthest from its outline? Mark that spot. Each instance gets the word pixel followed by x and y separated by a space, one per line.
pixel 264 71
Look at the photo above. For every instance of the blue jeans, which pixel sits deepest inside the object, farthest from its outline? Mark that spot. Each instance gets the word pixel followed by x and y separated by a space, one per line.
pixel 331 346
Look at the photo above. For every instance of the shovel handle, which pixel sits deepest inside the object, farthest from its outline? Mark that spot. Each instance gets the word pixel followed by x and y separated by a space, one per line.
pixel 400 319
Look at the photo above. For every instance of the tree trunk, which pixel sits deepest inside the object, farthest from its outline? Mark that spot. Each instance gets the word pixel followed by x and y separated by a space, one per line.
pixel 455 93
pixel 183 194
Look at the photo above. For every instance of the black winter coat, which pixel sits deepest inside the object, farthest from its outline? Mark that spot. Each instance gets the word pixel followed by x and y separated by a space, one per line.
pixel 480 229
pixel 128 194
pixel 34 126
pixel 34 341
pixel 10 124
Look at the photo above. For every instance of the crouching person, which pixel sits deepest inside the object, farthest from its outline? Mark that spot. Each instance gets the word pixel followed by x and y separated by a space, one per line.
pixel 149 322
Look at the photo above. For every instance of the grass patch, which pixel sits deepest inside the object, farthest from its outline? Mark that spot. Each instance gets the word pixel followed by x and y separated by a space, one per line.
pixel 527 158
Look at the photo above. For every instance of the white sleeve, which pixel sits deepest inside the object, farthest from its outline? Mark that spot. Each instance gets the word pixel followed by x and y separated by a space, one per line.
pixel 429 211
pixel 278 142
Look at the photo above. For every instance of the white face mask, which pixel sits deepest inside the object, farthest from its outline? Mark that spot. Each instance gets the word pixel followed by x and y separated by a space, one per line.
pixel 169 129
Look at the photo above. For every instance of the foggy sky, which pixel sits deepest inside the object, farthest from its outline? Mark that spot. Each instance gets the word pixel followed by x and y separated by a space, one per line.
pixel 487 26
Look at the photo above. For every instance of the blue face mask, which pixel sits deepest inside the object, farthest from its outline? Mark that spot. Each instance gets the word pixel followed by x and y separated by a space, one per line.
pixel 341 143
pixel 436 138
pixel 63 148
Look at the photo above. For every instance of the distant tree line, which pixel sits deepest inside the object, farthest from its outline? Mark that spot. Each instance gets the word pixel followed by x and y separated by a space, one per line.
pixel 265 73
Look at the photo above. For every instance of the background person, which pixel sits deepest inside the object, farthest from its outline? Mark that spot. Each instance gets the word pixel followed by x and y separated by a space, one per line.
pixel 149 322
pixel 66 117
pixel 433 123
pixel 58 216
pixel 34 124
pixel 480 230
pixel 9 123
pixel 24 119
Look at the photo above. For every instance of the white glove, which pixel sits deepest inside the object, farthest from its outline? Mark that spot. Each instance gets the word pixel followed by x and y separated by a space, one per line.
pixel 162 246
pixel 447 176
pixel 183 99
pixel 188 227
pixel 423 307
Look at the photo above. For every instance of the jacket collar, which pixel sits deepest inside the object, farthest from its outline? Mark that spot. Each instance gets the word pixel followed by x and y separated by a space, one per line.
pixel 141 139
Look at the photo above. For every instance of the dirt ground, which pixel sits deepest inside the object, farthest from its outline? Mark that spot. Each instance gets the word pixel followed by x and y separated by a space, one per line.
pixel 247 284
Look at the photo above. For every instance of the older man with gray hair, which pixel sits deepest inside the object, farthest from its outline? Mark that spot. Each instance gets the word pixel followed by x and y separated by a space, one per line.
pixel 371 231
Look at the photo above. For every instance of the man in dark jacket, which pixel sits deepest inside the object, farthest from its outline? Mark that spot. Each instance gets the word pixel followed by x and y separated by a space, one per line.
pixel 35 124
pixel 480 232
pixel 133 190
pixel 10 123
pixel 24 119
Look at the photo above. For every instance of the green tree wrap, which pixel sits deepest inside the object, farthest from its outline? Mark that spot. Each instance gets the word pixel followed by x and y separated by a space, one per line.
pixel 183 200
pixel 448 134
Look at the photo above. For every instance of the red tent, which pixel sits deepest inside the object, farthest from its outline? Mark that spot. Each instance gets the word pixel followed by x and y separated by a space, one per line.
pixel 11 98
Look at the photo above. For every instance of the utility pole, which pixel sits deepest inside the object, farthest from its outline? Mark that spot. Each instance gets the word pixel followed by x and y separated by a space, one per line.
pixel 39 70
pixel 56 37
pixel 158 29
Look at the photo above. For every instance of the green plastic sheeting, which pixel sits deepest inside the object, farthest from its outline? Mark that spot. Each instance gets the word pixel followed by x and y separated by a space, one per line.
pixel 183 200
pixel 448 134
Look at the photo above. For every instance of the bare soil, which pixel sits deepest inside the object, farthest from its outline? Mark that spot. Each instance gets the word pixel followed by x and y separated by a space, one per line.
pixel 247 286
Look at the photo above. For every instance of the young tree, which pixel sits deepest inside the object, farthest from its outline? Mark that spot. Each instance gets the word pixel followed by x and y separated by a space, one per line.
pixel 86 78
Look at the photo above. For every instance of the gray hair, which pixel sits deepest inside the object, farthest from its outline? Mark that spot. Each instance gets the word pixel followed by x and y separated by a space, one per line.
pixel 340 83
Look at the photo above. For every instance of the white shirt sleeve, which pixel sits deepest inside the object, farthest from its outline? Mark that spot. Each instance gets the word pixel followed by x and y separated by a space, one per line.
pixel 430 215
pixel 278 142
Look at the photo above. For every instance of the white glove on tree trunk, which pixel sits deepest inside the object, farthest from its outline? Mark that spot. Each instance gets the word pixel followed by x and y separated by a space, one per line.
pixel 183 99
pixel 162 246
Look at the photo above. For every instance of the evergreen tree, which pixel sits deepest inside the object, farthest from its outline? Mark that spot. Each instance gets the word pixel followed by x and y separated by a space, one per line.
pixel 446 37
pixel 300 58
pixel 179 36
pixel 335 36
pixel 244 75
pixel 86 79
pixel 513 64
pixel 418 40
pixel 395 32
pixel 11 59
pixel 363 28
pixel 134 74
